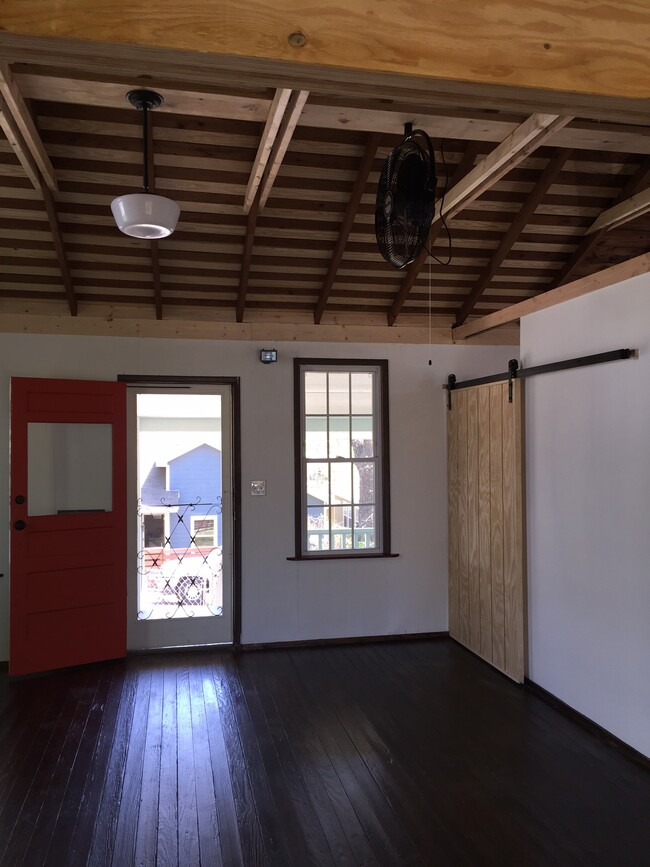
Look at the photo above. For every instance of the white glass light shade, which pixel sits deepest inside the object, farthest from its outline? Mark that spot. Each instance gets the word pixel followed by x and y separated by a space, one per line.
pixel 143 215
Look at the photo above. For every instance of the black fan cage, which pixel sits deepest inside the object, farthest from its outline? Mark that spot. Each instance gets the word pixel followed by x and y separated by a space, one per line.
pixel 405 202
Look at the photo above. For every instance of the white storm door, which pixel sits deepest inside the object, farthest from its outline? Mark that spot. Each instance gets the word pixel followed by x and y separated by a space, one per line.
pixel 180 516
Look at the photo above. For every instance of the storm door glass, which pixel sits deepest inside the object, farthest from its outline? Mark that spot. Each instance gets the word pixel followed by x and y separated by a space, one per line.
pixel 180 526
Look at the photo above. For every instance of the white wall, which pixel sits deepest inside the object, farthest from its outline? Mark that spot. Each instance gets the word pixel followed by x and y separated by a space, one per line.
pixel 283 600
pixel 588 483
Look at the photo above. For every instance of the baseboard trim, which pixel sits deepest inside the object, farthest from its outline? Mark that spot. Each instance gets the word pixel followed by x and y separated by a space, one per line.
pixel 331 642
pixel 587 724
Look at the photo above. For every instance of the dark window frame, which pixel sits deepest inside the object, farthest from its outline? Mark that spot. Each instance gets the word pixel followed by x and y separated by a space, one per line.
pixel 349 364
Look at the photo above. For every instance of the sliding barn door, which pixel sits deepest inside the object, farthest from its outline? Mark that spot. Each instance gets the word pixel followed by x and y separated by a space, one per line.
pixel 486 524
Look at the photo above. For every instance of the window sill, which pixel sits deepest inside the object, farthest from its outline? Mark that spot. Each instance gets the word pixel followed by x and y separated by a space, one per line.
pixel 308 557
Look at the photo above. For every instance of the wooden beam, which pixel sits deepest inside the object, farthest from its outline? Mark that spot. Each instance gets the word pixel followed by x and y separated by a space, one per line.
pixel 16 104
pixel 155 272
pixel 546 179
pixel 528 136
pixel 55 229
pixel 271 129
pixel 448 123
pixel 637 182
pixel 290 119
pixel 607 277
pixel 247 255
pixel 463 167
pixel 17 143
pixel 564 47
pixel 353 206
pixel 623 212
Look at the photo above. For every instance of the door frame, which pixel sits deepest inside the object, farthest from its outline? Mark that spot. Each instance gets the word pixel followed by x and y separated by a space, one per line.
pixel 233 382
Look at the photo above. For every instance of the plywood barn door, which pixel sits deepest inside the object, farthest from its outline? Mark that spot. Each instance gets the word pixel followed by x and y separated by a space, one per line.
pixel 487 559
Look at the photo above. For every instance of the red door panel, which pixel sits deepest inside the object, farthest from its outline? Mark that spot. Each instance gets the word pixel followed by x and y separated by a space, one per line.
pixel 68 569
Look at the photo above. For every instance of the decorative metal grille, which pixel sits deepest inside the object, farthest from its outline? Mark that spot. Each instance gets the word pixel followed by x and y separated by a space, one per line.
pixel 180 578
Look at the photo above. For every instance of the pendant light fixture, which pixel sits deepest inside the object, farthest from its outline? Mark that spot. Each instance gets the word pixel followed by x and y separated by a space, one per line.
pixel 145 215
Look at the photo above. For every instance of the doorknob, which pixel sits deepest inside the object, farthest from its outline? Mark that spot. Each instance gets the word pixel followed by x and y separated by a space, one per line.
pixel 19 525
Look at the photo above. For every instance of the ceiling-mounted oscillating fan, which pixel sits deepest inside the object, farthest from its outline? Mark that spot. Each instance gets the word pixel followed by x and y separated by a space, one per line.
pixel 406 197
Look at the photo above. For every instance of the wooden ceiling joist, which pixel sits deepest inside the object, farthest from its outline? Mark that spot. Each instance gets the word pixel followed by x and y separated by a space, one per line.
pixel 247 255
pixel 530 135
pixel 541 188
pixel 348 220
pixel 271 129
pixel 570 291
pixel 623 212
pixel 17 143
pixel 59 247
pixel 639 181
pixel 15 103
pixel 290 119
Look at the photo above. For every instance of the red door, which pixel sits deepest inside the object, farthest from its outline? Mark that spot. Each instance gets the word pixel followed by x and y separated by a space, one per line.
pixel 68 523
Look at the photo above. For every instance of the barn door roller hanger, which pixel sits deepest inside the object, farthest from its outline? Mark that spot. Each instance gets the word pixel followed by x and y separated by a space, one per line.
pixel 515 372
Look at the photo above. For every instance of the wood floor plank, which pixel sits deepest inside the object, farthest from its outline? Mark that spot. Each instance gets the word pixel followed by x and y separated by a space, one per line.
pixel 100 842
pixel 233 702
pixel 206 807
pixel 229 838
pixel 402 754
pixel 306 841
pixel 167 826
pixel 146 839
pixel 83 793
pixel 188 824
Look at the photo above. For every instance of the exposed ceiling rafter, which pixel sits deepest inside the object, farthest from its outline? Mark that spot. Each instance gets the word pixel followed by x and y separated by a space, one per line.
pixel 59 247
pixel 351 211
pixel 588 243
pixel 623 212
pixel 570 291
pixel 23 119
pixel 249 239
pixel 539 191
pixel 271 129
pixel 289 122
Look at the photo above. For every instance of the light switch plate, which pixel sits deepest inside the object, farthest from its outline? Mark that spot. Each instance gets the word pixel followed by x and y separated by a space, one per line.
pixel 258 489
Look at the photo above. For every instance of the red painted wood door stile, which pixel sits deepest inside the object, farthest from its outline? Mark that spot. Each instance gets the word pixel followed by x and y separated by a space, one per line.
pixel 68 537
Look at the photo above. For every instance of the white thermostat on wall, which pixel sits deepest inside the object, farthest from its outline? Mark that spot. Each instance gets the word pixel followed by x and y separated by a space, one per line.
pixel 258 489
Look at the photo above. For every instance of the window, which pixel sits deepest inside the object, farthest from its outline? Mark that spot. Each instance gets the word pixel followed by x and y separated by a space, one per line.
pixel 341 424
pixel 203 532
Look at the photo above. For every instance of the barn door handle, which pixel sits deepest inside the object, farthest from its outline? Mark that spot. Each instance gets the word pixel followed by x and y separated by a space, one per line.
pixel 19 525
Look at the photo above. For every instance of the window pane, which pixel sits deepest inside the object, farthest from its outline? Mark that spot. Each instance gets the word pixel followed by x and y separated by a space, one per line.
pixel 364 526
pixel 315 393
pixel 203 532
pixel 364 482
pixel 341 483
pixel 339 389
pixel 362 393
pixel 339 436
pixel 318 538
pixel 318 491
pixel 341 539
pixel 69 468
pixel 316 436
pixel 362 437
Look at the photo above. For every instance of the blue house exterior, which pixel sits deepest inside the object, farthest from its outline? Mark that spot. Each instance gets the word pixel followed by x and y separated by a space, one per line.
pixel 196 475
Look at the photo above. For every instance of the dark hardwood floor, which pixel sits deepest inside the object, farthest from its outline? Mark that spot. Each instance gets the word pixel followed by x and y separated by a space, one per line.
pixel 388 754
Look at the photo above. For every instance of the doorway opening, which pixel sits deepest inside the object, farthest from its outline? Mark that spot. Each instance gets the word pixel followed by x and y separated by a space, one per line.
pixel 181 588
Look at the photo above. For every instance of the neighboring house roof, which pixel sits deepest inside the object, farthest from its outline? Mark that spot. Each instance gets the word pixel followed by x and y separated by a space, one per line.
pixel 204 448
pixel 154 486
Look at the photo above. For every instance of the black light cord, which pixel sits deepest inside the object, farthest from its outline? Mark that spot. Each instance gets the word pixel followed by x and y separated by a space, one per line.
pixel 442 208
pixel 145 149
